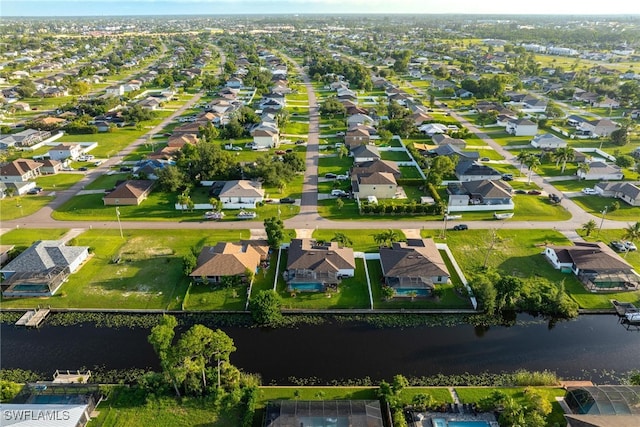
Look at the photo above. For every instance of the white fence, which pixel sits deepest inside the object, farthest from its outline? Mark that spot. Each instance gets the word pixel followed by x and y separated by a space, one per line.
pixel 481 208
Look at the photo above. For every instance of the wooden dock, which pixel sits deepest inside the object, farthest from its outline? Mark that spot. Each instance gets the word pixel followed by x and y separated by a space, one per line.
pixel 623 308
pixel 33 318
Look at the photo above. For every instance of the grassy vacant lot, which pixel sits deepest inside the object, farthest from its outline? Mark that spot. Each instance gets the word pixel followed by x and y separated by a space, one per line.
pixel 475 394
pixel 215 297
pixel 352 293
pixel 126 407
pixel 596 204
pixel 106 182
pixel 335 165
pixel 409 172
pixel 362 239
pixel 19 206
pixel 148 275
pixel 395 156
pixel 572 186
pixel 60 181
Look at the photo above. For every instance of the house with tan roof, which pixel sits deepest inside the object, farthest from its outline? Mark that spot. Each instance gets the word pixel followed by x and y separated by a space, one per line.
pixel 228 259
pixel 375 178
pixel 596 265
pixel 51 167
pixel 20 170
pixel 241 194
pixel 65 151
pixel 130 192
pixel 314 266
pixel 357 135
pixel 414 265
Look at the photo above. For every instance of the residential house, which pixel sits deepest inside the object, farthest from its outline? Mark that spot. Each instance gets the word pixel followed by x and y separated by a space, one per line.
pixel 41 269
pixel 25 138
pixel 65 151
pixel 314 266
pixel 357 135
pixel 522 127
pixel 235 83
pixel 51 167
pixel 454 150
pixel 629 192
pixel 596 265
pixel 150 103
pixel 360 119
pixel 116 90
pixel 265 136
pixel 376 178
pixel 241 194
pixel 602 406
pixel 365 153
pixel 414 266
pixel 420 117
pixel 130 192
pixel 601 171
pixel 20 170
pixel 486 195
pixel 548 140
pixel 443 139
pixel 599 127
pixel 229 259
pixel 468 170
pixel 431 129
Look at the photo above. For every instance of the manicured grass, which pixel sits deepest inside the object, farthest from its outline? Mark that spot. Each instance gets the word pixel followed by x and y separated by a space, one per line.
pixel 362 239
pixel 475 394
pixel 215 297
pixel 490 153
pixel 25 237
pixel 148 275
pixel 439 394
pixel 267 394
pixel 352 293
pixel 409 172
pixel 296 128
pixel 596 204
pixel 395 156
pixel 20 206
pixel 106 182
pixel 334 164
pixel 573 186
pixel 537 208
pixel 126 407
pixel 60 181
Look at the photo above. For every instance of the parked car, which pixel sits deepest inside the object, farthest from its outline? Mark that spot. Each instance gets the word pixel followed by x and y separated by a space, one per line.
pixel 534 192
pixel 83 169
pixel 280 152
pixel 589 191
pixel 343 177
pixel 618 246
pixel 98 163
pixel 35 190
pixel 287 200
pixel 520 192
pixel 460 227
pixel 301 142
pixel 630 246
pixel 554 198
pixel 126 169
pixel 484 159
pixel 330 175
pixel 507 177
pixel 340 134
pixel 338 193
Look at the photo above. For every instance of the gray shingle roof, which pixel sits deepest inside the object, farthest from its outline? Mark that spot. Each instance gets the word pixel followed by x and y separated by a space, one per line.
pixel 43 255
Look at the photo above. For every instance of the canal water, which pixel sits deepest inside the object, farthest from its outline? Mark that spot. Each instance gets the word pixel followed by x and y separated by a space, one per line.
pixel 584 348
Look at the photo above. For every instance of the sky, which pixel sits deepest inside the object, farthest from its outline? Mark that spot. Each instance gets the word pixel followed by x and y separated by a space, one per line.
pixel 222 7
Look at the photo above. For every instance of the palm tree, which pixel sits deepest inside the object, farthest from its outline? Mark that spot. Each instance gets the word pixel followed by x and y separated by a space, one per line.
pixel 342 239
pixel 632 232
pixel 583 167
pixel 589 227
pixel 183 200
pixel 564 155
pixel 522 157
pixel 532 163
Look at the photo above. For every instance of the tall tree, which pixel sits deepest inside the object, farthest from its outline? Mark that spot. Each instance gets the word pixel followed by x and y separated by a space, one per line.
pixel 564 155
pixel 632 232
pixel 532 163
pixel 265 308
pixel 589 227
pixel 161 339
pixel 274 228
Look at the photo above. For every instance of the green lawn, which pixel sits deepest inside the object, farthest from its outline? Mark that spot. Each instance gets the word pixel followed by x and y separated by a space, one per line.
pixel 296 128
pixel 25 237
pixel 490 153
pixel 61 181
pixel 362 239
pixel 106 182
pixel 334 164
pixel 352 293
pixel 148 275
pixel 126 407
pixel 596 204
pixel 410 172
pixel 527 208
pixel 572 186
pixel 267 394
pixel 20 206
pixel 395 156
pixel 439 394
pixel 215 297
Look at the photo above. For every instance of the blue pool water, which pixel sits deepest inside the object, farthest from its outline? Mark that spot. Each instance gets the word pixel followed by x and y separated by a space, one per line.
pixel 406 292
pixel 307 287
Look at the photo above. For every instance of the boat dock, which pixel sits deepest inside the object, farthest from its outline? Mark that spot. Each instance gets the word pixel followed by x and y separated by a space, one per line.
pixel 623 308
pixel 33 318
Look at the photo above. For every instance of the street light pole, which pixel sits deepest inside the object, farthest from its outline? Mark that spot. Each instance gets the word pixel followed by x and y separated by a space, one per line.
pixel 119 223
pixel 604 212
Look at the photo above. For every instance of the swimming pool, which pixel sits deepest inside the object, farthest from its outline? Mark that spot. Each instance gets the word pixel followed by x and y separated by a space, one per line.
pixel 306 287
pixel 406 292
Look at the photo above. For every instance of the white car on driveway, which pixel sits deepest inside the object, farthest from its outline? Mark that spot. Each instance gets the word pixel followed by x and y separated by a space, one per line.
pixel 589 191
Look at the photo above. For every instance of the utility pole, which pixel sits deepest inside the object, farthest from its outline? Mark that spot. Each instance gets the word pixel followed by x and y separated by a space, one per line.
pixel 119 223
pixel 604 212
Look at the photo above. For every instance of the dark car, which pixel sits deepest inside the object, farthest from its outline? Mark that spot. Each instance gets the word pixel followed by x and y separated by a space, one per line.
pixel 534 192
pixel 618 246
pixel 554 198
pixel 460 227
pixel 520 192
pixel 83 169
pixel 330 175
pixel 35 190
pixel 287 200
pixel 126 169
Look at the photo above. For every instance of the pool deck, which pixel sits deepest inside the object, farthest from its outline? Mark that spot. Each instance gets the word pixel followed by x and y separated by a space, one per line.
pixel 427 418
